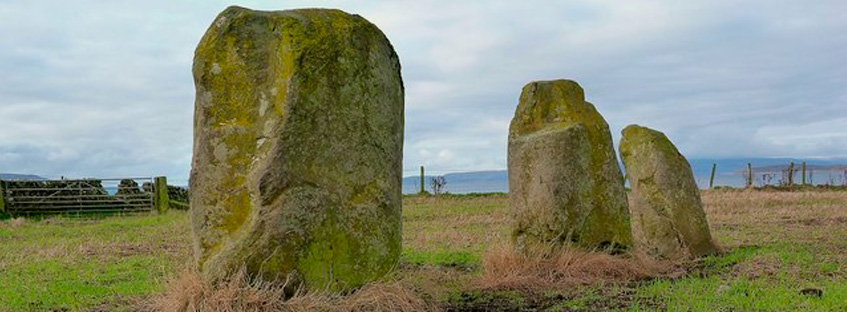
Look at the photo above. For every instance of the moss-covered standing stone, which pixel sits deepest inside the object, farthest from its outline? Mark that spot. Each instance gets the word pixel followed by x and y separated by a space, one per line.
pixel 668 220
pixel 298 140
pixel 565 185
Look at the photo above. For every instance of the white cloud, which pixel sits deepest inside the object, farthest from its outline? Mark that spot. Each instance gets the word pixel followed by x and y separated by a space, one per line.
pixel 826 138
pixel 104 88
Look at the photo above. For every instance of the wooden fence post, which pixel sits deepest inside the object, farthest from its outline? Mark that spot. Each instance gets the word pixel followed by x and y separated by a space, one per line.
pixel 791 174
pixel 712 178
pixel 749 175
pixel 423 182
pixel 804 173
pixel 2 199
pixel 160 194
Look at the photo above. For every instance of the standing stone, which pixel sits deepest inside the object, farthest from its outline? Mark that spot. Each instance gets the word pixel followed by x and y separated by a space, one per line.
pixel 668 217
pixel 298 146
pixel 565 184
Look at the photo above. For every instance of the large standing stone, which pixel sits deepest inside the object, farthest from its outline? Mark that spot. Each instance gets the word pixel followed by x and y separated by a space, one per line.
pixel 298 140
pixel 668 220
pixel 565 184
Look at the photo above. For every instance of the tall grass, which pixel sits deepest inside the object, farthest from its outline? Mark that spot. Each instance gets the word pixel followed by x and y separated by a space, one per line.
pixel 505 269
pixel 188 292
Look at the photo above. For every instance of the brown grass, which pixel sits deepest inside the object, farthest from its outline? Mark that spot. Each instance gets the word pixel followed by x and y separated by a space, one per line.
pixel 504 268
pixel 753 217
pixel 17 222
pixel 758 267
pixel 745 206
pixel 189 293
pixel 466 224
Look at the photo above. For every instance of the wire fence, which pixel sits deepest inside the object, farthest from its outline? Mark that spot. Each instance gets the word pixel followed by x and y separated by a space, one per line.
pixel 457 181
pixel 791 175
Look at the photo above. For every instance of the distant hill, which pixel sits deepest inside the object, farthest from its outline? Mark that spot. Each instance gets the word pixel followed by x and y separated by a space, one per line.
pixel 15 176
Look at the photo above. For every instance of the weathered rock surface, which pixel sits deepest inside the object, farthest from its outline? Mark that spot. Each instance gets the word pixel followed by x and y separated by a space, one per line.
pixel 668 220
pixel 565 184
pixel 298 138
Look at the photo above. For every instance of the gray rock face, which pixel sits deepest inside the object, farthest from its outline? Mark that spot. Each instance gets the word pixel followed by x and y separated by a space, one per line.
pixel 298 144
pixel 565 185
pixel 668 220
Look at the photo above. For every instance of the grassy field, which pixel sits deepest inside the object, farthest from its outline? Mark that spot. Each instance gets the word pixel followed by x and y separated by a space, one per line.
pixel 777 244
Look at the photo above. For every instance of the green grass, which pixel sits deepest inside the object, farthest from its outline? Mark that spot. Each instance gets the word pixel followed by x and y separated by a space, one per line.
pixel 726 286
pixel 75 264
pixel 777 243
pixel 459 259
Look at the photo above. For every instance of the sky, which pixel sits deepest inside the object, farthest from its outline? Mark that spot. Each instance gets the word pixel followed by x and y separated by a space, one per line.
pixel 104 88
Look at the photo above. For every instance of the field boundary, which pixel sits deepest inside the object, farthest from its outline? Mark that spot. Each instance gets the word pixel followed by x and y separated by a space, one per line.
pixel 90 195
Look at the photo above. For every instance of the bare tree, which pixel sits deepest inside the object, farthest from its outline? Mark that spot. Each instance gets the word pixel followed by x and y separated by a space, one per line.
pixel 766 179
pixel 437 184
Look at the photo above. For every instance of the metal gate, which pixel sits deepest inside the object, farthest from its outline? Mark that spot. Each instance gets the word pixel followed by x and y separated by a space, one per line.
pixel 22 197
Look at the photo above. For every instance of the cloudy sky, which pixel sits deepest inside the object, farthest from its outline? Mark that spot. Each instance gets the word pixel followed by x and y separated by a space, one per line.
pixel 104 88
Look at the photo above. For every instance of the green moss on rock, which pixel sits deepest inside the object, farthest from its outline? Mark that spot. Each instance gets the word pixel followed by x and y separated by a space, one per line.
pixel 298 148
pixel 668 220
pixel 565 185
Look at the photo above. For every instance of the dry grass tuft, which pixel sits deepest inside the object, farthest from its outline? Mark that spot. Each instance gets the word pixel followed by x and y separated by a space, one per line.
pixel 17 222
pixel 758 267
pixel 189 293
pixel 503 268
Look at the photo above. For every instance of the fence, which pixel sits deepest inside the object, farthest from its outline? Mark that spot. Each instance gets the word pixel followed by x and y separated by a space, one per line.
pixel 455 181
pixel 707 175
pixel 789 174
pixel 26 197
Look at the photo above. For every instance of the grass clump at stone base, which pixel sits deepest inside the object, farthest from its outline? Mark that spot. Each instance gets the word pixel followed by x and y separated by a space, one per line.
pixel 188 292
